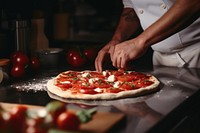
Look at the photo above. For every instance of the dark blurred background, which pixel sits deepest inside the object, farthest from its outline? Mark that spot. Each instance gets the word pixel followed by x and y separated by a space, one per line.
pixel 85 16
pixel 67 22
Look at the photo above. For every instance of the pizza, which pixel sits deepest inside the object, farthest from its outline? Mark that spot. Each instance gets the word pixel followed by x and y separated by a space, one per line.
pixel 109 84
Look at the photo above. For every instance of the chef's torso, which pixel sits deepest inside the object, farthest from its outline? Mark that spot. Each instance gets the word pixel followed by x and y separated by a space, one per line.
pixel 150 11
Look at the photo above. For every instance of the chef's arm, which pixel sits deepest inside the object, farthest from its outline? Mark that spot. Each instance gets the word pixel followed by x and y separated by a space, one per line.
pixel 128 24
pixel 178 17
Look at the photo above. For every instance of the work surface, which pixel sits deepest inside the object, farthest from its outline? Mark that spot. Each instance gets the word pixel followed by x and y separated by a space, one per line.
pixel 178 97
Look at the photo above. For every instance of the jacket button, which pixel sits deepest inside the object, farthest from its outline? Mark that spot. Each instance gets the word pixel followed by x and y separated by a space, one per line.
pixel 163 6
pixel 141 11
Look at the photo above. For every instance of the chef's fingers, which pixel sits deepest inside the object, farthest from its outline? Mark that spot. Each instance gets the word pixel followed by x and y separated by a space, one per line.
pixel 115 59
pixel 122 63
pixel 98 62
pixel 111 51
pixel 98 66
pixel 119 59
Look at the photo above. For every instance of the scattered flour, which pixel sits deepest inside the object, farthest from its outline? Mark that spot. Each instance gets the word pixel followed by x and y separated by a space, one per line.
pixel 32 85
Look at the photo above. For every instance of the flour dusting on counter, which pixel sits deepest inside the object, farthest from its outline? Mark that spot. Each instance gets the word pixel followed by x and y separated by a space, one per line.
pixel 32 85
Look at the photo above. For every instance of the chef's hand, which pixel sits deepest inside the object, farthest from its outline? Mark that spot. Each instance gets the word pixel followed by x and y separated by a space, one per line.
pixel 108 49
pixel 125 52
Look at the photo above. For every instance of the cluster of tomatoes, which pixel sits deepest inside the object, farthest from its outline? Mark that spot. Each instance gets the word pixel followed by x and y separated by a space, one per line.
pixel 79 57
pixel 21 63
pixel 55 117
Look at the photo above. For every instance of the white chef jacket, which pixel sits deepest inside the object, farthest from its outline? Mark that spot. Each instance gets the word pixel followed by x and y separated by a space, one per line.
pixel 177 45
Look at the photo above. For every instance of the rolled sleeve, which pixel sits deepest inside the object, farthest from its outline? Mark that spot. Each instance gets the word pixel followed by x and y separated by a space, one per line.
pixel 127 4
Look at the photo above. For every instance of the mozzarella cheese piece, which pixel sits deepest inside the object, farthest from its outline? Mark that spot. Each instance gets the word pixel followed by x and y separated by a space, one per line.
pixel 111 78
pixel 83 83
pixel 92 80
pixel 98 89
pixel 86 74
pixel 116 84
pixel 104 73
pixel 65 82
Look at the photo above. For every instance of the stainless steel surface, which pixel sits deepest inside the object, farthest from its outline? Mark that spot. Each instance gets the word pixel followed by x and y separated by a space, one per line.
pixel 178 96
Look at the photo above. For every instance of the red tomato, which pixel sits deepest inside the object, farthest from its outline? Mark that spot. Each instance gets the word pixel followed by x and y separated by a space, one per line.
pixel 71 74
pixel 84 87
pixel 15 54
pixel 35 63
pixel 55 108
pixel 18 71
pixel 138 75
pixel 90 53
pixel 64 86
pixel 68 121
pixel 36 125
pixel 142 83
pixel 128 86
pixel 131 77
pixel 19 58
pixel 116 73
pixel 97 75
pixel 79 84
pixel 19 110
pixel 71 79
pixel 85 90
pixel 126 78
pixel 101 84
pixel 35 122
pixel 2 122
pixel 4 126
pixel 35 130
pixel 17 118
pixel 75 59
